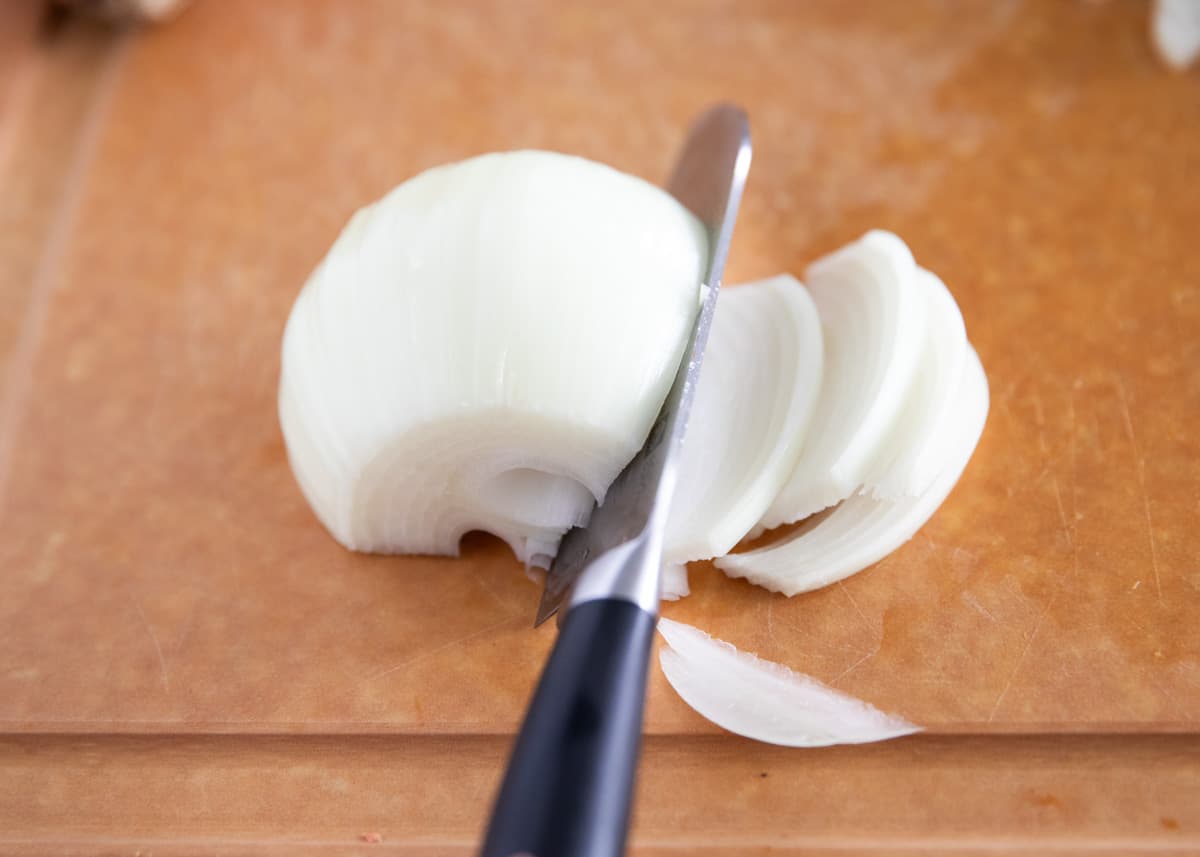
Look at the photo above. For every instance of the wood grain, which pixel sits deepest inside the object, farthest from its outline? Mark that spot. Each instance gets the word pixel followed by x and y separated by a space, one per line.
pixel 168 190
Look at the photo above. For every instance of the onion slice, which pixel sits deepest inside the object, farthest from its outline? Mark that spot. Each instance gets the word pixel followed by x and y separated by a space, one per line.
pixel 763 700
pixel 863 529
pixel 761 375
pixel 873 316
pixel 909 461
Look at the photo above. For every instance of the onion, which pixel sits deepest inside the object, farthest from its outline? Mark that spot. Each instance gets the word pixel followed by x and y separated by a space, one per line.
pixel 763 700
pixel 914 455
pixel 488 345
pixel 762 372
pixel 873 316
pixel 485 348
pixel 1175 31
pixel 863 529
pixel 674 581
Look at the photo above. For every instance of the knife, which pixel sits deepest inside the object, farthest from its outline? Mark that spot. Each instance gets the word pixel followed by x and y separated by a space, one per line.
pixel 569 783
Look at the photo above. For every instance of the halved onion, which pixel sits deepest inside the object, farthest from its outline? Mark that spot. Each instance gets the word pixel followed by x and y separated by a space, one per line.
pixel 761 375
pixel 873 317
pixel 485 348
pixel 863 529
pixel 764 700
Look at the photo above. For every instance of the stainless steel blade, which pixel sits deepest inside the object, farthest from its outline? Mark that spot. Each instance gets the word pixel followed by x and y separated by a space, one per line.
pixel 708 178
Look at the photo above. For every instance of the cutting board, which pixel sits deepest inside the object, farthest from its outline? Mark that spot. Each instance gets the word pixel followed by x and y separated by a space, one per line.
pixel 190 664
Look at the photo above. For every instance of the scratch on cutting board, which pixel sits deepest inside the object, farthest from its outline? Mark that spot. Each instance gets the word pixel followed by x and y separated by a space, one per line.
pixel 188 624
pixel 822 647
pixel 1073 530
pixel 855 665
pixel 1037 627
pixel 19 380
pixel 973 602
pixel 1068 527
pixel 861 615
pixel 866 624
pixel 162 662
pixel 1062 512
pixel 420 656
pixel 938 559
pixel 1141 471
pixel 481 579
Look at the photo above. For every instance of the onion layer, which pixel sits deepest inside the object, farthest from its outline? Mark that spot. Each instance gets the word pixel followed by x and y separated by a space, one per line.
pixel 762 371
pixel 863 529
pixel 914 454
pixel 874 320
pixel 763 700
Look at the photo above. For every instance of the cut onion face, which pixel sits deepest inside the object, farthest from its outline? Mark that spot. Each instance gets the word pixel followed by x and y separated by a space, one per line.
pixel 864 529
pixel 761 375
pixel 763 700
pixel 485 348
pixel 873 317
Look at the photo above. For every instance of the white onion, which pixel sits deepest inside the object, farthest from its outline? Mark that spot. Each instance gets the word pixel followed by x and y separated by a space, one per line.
pixel 1175 31
pixel 674 581
pixel 763 700
pixel 863 529
pixel 762 372
pixel 873 316
pixel 485 348
pixel 908 462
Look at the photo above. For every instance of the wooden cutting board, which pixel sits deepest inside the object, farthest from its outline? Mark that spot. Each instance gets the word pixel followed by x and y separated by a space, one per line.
pixel 189 663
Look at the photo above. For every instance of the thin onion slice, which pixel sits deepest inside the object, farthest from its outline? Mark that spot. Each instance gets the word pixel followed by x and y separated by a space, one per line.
pixel 485 348
pixel 873 317
pixel 863 529
pixel 762 372
pixel 909 461
pixel 763 700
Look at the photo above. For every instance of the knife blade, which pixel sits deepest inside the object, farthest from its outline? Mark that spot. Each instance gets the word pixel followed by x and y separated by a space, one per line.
pixel 708 179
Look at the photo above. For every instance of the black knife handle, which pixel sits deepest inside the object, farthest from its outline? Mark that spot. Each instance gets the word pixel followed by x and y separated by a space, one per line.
pixel 569 784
